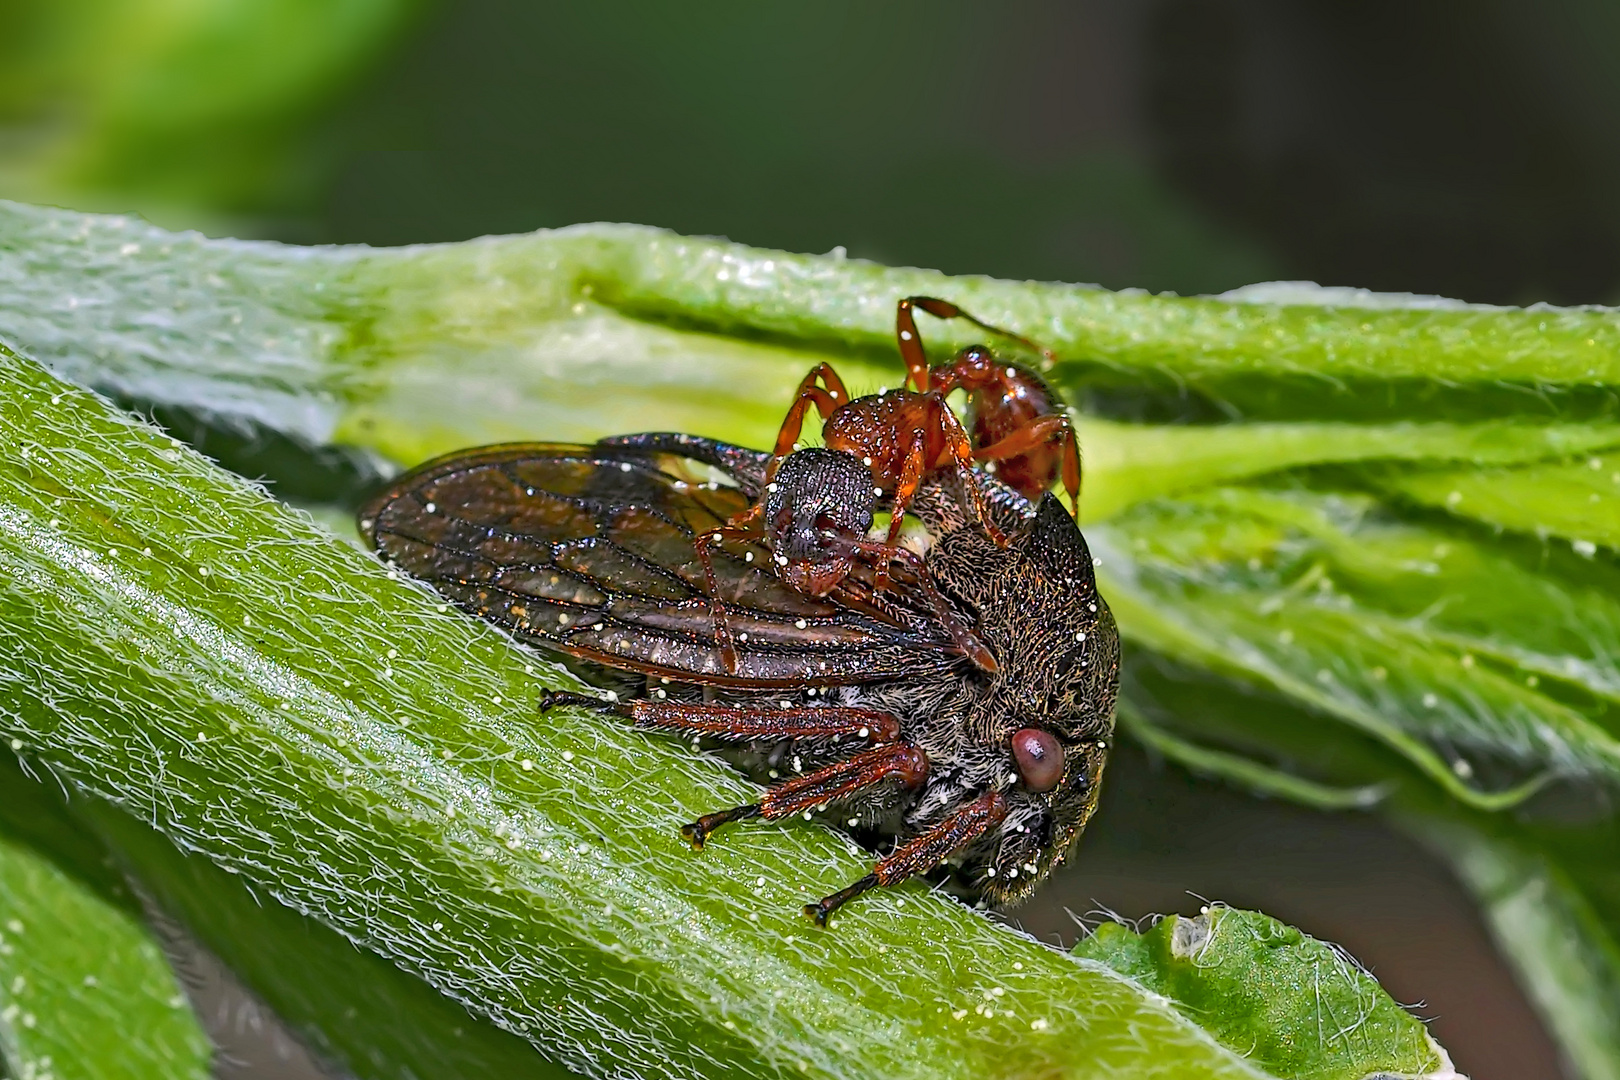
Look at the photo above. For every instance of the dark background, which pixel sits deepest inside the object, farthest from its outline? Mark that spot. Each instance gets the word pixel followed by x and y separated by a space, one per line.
pixel 1462 149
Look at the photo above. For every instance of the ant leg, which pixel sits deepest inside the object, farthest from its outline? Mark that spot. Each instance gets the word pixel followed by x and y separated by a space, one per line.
pixel 829 379
pixel 911 348
pixel 717 608
pixel 793 425
pixel 911 473
pixel 916 362
pixel 961 448
pixel 966 640
pixel 742 721
pixel 1044 429
pixel 922 854
pixel 821 388
pixel 814 790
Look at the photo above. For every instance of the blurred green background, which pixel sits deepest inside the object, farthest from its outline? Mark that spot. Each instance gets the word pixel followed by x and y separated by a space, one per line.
pixel 1463 149
pixel 1466 149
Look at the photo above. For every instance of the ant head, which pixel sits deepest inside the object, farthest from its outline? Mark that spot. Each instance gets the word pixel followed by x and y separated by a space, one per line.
pixel 818 501
pixel 971 369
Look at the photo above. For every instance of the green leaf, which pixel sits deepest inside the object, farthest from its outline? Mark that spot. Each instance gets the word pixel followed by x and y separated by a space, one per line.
pixel 181 645
pixel 1244 976
pixel 1549 896
pixel 1457 654
pixel 1132 463
pixel 74 968
pixel 353 1008
pixel 1575 501
pixel 1274 529
pixel 1547 884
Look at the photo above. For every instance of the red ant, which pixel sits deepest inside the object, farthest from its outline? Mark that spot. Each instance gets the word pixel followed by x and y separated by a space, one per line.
pixel 1020 428
pixel 818 504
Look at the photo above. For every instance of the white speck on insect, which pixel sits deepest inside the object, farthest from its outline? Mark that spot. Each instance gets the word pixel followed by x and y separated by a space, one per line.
pixel 568 755
pixel 771 486
pixel 865 733
pixel 748 556
pixel 431 508
pixel 624 466
pixel 877 491
pixel 583 849
pixel 867 462
pixel 905 335
pixel 1018 965
pixel 202 571
pixel 1081 636
pixel 16 744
